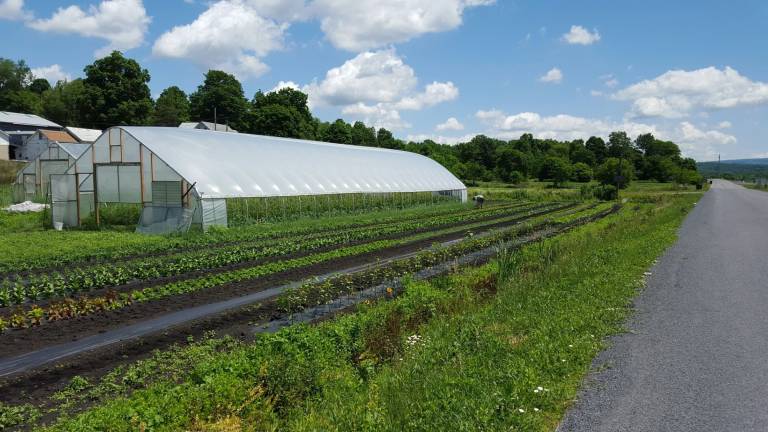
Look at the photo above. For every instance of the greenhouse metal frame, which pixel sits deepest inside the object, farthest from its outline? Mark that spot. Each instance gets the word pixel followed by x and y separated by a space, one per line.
pixel 183 178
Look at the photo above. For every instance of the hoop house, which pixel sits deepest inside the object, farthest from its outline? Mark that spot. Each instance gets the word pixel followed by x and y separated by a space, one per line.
pixel 33 180
pixel 184 177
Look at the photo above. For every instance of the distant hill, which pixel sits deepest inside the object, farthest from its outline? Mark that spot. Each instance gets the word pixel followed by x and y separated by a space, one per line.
pixel 761 161
pixel 742 169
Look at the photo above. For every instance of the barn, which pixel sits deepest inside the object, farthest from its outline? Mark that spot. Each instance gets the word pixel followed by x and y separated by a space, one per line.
pixel 15 128
pixel 186 178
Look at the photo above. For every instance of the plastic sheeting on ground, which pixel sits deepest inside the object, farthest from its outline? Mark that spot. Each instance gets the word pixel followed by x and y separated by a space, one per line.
pixel 25 207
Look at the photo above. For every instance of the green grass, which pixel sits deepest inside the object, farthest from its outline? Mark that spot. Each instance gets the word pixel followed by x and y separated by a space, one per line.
pixel 755 186
pixel 464 352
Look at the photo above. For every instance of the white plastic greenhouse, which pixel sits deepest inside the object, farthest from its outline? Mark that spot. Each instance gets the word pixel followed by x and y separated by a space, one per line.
pixel 32 180
pixel 184 177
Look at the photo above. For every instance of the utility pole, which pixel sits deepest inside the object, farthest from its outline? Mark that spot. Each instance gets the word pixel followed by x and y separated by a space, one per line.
pixel 215 122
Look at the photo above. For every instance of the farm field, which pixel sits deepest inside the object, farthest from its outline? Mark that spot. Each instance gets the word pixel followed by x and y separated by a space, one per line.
pixel 74 300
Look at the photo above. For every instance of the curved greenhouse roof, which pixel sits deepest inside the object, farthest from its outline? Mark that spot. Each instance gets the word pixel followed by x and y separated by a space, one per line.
pixel 227 165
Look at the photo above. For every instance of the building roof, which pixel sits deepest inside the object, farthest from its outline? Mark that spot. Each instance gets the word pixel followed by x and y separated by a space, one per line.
pixel 225 165
pixel 58 136
pixel 26 119
pixel 84 135
pixel 74 149
pixel 207 125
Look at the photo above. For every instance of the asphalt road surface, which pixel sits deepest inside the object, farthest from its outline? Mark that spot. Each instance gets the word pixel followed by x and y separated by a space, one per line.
pixel 696 356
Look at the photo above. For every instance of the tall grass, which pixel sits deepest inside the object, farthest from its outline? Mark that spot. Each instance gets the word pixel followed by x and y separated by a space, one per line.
pixel 244 211
pixel 8 170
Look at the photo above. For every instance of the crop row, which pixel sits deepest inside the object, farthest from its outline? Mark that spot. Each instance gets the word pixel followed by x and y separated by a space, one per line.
pixel 313 294
pixel 68 308
pixel 83 279
pixel 111 248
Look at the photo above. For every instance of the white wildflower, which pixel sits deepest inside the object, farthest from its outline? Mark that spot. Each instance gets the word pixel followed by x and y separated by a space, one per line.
pixel 413 339
pixel 521 410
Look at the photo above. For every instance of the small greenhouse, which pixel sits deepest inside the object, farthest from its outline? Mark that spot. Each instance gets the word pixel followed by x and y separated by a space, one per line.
pixel 33 180
pixel 185 177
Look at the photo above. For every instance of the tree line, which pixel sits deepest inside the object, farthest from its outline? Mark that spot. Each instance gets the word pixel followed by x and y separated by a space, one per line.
pixel 115 91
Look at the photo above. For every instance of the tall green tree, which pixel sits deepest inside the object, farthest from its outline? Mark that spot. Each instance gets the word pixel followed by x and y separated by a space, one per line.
pixel 384 138
pixel 116 93
pixel 555 169
pixel 338 132
pixel 644 141
pixel 511 164
pixel 62 104
pixel 597 146
pixel 171 108
pixel 282 113
pixel 611 172
pixel 220 97
pixel 15 96
pixel 39 86
pixel 619 144
pixel 363 135
pixel 581 172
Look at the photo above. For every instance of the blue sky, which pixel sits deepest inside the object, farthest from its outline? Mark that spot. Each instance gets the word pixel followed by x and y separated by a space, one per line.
pixel 695 72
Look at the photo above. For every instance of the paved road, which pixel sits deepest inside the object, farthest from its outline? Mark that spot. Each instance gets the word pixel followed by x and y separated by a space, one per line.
pixel 696 358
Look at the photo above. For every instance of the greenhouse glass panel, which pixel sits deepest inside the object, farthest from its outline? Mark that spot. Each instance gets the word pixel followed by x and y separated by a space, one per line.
pixel 129 184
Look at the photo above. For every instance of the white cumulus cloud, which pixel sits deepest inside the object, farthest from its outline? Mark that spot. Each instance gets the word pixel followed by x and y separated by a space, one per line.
pixel 52 73
pixel 285 84
pixel 379 76
pixel 440 139
pixel 121 22
pixel 560 126
pixel 236 35
pixel 375 86
pixel 433 94
pixel 358 25
pixel 677 93
pixel 695 142
pixel 379 115
pixel 553 75
pixel 579 35
pixel 229 35
pixel 13 10
pixel 724 125
pixel 451 124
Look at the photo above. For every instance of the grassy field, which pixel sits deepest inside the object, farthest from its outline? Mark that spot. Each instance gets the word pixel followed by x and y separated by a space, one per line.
pixel 503 346
pixel 755 186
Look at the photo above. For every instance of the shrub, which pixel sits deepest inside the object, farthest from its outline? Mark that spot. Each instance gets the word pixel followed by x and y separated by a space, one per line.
pixel 607 172
pixel 581 172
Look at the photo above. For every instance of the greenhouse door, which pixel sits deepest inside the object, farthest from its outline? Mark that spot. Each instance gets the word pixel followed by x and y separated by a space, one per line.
pixel 48 168
pixel 29 186
pixel 64 200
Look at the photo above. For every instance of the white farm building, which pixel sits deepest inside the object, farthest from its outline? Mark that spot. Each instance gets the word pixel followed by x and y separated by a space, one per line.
pixel 189 177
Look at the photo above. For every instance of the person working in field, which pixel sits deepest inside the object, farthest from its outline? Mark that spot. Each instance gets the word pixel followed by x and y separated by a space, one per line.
pixel 479 200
